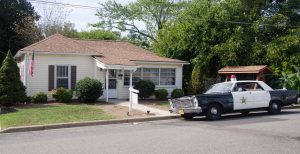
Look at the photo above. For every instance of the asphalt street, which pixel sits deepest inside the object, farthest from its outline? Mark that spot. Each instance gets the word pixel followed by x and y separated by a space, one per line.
pixel 255 133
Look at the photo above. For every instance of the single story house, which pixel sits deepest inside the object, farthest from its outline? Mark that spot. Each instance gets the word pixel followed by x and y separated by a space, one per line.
pixel 61 62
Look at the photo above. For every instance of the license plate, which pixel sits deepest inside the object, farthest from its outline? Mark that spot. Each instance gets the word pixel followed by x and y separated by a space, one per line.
pixel 180 111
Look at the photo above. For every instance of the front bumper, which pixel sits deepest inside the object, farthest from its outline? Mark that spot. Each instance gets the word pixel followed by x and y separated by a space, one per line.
pixel 195 110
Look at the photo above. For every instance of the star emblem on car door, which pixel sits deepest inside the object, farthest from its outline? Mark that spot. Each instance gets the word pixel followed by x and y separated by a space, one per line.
pixel 243 99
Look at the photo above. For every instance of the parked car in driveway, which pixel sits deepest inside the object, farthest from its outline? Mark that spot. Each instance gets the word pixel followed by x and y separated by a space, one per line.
pixel 234 96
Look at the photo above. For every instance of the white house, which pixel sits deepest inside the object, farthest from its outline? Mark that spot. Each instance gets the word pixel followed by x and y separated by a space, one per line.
pixel 61 62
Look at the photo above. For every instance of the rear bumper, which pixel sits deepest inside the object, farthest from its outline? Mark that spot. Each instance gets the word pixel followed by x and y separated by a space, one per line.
pixel 195 110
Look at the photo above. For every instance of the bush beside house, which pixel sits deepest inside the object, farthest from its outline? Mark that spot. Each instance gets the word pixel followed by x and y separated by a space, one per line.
pixel 88 90
pixel 39 98
pixel 146 88
pixel 12 90
pixel 177 93
pixel 62 95
pixel 161 94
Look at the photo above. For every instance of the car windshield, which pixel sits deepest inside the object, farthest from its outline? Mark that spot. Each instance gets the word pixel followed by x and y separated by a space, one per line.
pixel 219 88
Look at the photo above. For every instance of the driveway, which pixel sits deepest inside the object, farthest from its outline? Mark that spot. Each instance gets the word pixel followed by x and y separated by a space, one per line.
pixel 256 133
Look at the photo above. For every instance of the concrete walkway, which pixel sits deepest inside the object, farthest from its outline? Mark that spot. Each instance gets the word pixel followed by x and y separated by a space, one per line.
pixel 141 107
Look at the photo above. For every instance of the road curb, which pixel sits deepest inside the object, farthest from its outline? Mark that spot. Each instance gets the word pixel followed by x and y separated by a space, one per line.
pixel 87 123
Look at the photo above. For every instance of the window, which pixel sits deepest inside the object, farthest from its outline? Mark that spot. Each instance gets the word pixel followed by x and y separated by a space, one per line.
pixel 159 76
pixel 151 74
pixel 62 77
pixel 167 76
pixel 248 86
pixel 136 76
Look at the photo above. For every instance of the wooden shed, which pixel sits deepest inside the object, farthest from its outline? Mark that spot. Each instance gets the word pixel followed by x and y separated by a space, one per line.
pixel 257 72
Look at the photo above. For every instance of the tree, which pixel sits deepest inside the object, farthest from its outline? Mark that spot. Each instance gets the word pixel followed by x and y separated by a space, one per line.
pixel 98 35
pixel 197 81
pixel 54 20
pixel 152 15
pixel 214 34
pixel 12 89
pixel 17 25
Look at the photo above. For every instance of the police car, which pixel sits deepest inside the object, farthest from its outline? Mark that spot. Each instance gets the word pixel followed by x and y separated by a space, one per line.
pixel 234 96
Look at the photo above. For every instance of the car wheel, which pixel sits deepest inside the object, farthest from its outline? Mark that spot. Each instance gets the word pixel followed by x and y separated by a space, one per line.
pixel 187 116
pixel 274 107
pixel 214 112
pixel 244 113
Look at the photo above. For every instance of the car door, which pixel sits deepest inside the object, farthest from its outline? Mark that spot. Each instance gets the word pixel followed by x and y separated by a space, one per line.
pixel 249 95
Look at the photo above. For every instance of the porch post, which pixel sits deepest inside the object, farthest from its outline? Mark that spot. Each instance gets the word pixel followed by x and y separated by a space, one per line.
pixel 130 92
pixel 106 84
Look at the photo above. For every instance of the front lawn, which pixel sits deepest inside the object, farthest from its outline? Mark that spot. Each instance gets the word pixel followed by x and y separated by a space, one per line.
pixel 39 114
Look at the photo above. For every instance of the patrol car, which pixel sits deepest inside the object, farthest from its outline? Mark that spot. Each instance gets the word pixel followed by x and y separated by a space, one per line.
pixel 234 96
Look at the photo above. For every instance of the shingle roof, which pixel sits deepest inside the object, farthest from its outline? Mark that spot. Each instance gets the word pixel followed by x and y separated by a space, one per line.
pixel 59 44
pixel 107 52
pixel 244 69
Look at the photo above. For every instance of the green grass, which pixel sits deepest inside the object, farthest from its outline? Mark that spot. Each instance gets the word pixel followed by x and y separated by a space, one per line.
pixel 164 104
pixel 50 114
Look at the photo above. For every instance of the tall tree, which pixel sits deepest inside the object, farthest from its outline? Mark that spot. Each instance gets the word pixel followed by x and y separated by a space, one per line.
pixel 12 89
pixel 54 20
pixel 213 34
pixel 142 17
pixel 17 25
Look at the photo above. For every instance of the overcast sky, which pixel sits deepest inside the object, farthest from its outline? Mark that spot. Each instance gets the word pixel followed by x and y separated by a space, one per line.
pixel 80 16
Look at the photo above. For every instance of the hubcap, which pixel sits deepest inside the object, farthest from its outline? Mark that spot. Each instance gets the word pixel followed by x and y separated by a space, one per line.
pixel 274 106
pixel 213 110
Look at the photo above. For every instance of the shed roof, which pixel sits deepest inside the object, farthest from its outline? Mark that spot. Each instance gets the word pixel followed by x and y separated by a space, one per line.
pixel 244 69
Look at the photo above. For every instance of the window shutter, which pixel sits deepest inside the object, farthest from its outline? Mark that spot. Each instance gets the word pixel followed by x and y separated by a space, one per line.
pixel 51 77
pixel 73 77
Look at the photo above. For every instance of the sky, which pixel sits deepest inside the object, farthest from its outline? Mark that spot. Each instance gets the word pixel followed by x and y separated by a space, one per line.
pixel 79 16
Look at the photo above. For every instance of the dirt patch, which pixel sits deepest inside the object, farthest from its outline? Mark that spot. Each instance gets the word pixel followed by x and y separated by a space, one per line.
pixel 158 104
pixel 120 112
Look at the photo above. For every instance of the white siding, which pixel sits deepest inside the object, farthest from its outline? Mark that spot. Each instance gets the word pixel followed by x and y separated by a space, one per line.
pixel 39 82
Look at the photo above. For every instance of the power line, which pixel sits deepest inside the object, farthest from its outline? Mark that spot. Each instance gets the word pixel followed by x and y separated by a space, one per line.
pixel 96 8
pixel 64 4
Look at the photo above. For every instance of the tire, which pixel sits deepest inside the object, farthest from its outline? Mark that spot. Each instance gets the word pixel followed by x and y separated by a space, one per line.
pixel 187 116
pixel 274 107
pixel 244 113
pixel 214 112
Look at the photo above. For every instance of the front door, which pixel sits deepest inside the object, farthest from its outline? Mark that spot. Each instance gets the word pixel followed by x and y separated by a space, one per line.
pixel 112 84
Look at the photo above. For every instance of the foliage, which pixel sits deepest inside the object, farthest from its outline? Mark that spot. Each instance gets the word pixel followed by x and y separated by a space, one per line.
pixel 40 98
pixel 146 88
pixel 214 34
pixel 41 114
pixel 197 82
pixel 17 26
pixel 161 94
pixel 98 35
pixel 177 93
pixel 88 89
pixel 12 90
pixel 292 80
pixel 62 95
pixel 153 14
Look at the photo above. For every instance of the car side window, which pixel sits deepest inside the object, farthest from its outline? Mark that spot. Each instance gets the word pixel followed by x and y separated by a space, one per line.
pixel 248 86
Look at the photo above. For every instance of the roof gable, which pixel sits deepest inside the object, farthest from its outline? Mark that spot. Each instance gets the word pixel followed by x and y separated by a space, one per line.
pixel 244 69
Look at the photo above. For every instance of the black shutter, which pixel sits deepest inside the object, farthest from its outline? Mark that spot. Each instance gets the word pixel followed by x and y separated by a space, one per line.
pixel 73 77
pixel 50 77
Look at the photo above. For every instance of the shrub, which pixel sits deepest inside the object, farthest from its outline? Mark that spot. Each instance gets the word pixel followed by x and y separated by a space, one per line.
pixel 62 95
pixel 177 93
pixel 28 99
pixel 12 90
pixel 40 98
pixel 88 90
pixel 197 81
pixel 146 88
pixel 161 94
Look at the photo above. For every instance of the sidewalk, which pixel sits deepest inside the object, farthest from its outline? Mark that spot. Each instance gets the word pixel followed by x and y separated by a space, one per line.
pixel 141 107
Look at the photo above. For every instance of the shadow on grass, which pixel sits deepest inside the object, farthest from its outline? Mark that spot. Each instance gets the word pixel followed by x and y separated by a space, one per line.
pixel 5 110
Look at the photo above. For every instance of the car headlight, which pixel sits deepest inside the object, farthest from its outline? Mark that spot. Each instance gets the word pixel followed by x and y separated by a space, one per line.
pixel 195 101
